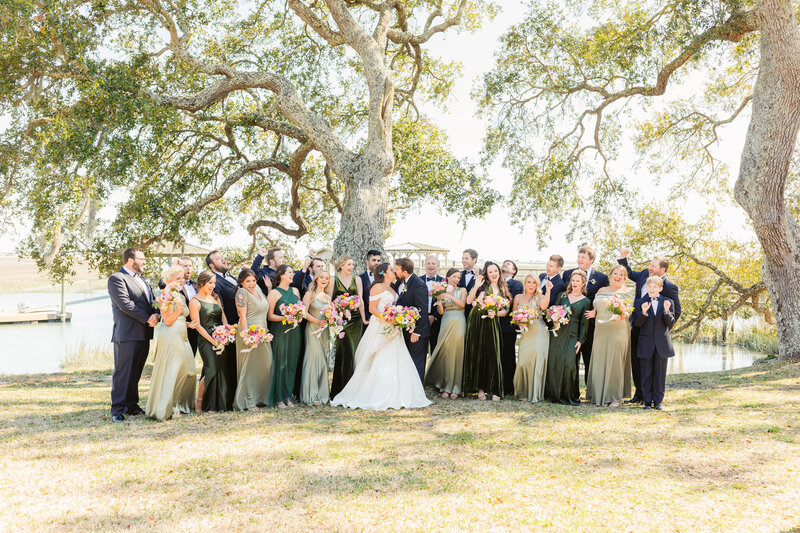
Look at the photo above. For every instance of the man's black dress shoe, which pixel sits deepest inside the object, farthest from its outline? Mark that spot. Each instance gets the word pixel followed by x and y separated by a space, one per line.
pixel 118 418
pixel 647 405
pixel 136 411
pixel 657 406
pixel 633 400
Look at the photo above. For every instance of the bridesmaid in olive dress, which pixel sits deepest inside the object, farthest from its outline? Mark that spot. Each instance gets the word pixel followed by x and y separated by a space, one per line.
pixel 314 381
pixel 174 372
pixel 561 383
pixel 610 366
pixel 253 367
pixel 446 365
pixel 483 372
pixel 345 348
pixel 206 309
pixel 533 343
pixel 286 337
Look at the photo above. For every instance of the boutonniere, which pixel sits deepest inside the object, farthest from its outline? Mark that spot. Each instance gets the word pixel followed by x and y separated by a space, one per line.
pixel 403 289
pixel 592 281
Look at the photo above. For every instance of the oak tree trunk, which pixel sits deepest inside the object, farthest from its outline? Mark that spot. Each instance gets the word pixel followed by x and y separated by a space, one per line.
pixel 768 149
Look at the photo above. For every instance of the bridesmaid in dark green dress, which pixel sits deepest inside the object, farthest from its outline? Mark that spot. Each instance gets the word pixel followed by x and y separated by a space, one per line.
pixel 205 308
pixel 561 383
pixel 287 339
pixel 483 372
pixel 345 348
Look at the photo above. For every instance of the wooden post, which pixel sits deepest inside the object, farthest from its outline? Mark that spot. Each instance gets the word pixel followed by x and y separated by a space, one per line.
pixel 63 300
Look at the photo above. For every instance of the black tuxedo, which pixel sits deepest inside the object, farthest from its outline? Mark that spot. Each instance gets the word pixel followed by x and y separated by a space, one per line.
pixel 131 306
pixel 302 279
pixel 594 282
pixel 365 286
pixel 670 291
pixel 227 295
pixel 261 273
pixel 468 287
pixel 508 354
pixel 654 347
pixel 434 312
pixel 558 287
pixel 415 294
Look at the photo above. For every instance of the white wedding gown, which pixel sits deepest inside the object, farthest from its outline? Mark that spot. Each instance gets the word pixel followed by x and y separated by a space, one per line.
pixel 385 376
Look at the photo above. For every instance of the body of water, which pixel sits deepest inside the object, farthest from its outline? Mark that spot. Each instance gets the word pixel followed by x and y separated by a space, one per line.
pixel 40 348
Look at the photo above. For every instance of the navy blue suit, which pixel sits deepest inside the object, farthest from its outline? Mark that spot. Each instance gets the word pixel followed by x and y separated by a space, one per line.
pixel 301 280
pixel 669 291
pixel 416 295
pixel 558 287
pixel 468 286
pixel 434 312
pixel 594 283
pixel 227 295
pixel 261 273
pixel 131 307
pixel 654 347
pixel 508 337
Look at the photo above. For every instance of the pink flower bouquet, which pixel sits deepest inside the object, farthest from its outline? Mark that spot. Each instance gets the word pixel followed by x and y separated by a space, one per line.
pixel 438 287
pixel 346 304
pixel 558 315
pixel 293 314
pixel 524 317
pixel 398 318
pixel 335 321
pixel 491 305
pixel 621 307
pixel 168 300
pixel 254 336
pixel 224 335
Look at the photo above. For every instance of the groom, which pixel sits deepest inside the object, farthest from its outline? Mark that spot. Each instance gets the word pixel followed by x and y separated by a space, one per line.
pixel 413 292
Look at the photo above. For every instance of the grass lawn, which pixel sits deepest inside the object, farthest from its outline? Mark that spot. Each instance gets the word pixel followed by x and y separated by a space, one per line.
pixel 725 455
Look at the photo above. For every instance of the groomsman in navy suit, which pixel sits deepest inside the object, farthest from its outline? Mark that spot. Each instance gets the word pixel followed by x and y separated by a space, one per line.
pixel 134 319
pixel 654 316
pixel 595 280
pixel 226 288
pixel 508 357
pixel 367 277
pixel 303 277
pixel 434 318
pixel 551 274
pixel 264 274
pixel 658 267
pixel 412 292
pixel 470 261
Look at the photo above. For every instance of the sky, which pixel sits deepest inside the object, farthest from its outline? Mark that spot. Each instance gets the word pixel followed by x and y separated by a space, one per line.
pixel 493 237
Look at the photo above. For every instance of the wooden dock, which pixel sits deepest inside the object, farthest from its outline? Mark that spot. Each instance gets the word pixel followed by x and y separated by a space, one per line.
pixel 34 317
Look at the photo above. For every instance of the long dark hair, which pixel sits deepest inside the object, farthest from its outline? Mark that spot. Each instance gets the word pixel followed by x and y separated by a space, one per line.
pixel 203 278
pixel 279 272
pixel 379 274
pixel 244 274
pixel 501 283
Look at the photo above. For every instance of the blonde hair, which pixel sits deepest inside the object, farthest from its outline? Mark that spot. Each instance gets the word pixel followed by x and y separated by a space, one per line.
pixel 618 267
pixel 313 285
pixel 341 261
pixel 535 279
pixel 170 271
pixel 654 280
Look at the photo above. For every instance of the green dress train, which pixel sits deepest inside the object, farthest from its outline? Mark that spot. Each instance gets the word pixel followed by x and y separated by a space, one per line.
pixel 215 397
pixel 314 382
pixel 254 367
pixel 345 348
pixel 174 372
pixel 446 365
pixel 610 366
pixel 285 349
pixel 561 383
pixel 482 366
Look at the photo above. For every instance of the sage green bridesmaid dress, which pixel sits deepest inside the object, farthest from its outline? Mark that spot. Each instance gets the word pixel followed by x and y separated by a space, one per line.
pixel 215 397
pixel 345 348
pixel 482 367
pixel 561 383
pixel 314 383
pixel 254 368
pixel 174 372
pixel 534 346
pixel 609 368
pixel 446 365
pixel 285 349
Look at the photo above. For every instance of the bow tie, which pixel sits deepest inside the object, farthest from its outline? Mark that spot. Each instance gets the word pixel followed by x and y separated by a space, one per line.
pixel 654 300
pixel 430 279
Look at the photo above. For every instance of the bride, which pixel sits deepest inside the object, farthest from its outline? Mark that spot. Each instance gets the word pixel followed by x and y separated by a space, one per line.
pixel 385 376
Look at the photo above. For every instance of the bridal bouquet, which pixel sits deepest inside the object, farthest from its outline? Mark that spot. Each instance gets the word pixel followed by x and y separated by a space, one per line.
pixel 439 287
pixel 346 304
pixel 224 335
pixel 399 317
pixel 335 321
pixel 254 336
pixel 491 304
pixel 168 299
pixel 293 314
pixel 558 315
pixel 524 317
pixel 621 307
